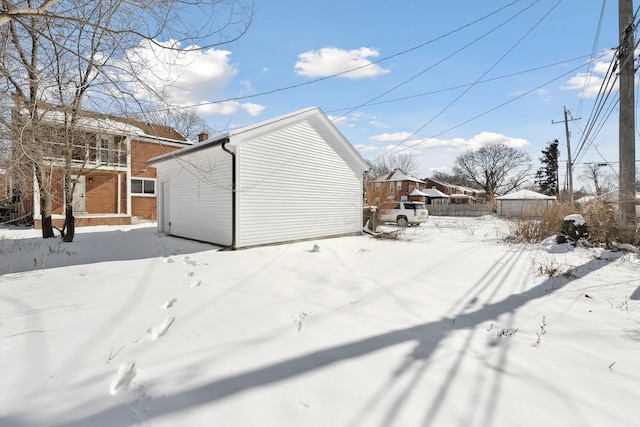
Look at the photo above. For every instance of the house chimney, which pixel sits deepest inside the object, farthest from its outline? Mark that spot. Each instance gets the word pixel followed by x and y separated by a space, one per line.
pixel 203 136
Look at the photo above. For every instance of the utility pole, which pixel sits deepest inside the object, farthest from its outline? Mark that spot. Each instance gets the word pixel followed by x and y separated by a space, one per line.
pixel 626 151
pixel 569 161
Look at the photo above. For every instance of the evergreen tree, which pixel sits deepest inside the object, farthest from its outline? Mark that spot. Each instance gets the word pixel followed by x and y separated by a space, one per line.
pixel 547 175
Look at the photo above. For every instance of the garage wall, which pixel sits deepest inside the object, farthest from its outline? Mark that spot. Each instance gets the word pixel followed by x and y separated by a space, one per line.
pixel 200 195
pixel 525 209
pixel 296 183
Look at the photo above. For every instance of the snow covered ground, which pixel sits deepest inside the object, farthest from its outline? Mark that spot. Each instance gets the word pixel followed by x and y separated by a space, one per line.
pixel 448 326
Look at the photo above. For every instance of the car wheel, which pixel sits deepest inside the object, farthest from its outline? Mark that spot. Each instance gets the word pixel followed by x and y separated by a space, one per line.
pixel 402 221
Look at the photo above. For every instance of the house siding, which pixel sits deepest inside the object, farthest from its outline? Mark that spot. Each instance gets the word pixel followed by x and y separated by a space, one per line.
pixel 199 195
pixel 296 183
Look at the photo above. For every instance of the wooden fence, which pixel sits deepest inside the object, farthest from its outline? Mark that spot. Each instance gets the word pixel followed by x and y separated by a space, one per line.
pixel 370 215
pixel 460 210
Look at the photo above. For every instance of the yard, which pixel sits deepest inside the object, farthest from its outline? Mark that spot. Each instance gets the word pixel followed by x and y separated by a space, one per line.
pixel 449 325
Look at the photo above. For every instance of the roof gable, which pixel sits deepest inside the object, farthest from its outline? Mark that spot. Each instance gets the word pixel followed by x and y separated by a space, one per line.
pixel 243 135
pixel 399 175
pixel 525 195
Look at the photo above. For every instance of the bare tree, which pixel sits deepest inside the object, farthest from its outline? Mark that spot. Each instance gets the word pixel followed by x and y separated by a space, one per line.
pixel 407 163
pixel 496 168
pixel 71 52
pixel 455 179
pixel 186 121
pixel 598 178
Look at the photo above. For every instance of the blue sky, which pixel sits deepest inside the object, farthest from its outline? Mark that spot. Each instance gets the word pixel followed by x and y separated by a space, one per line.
pixel 451 76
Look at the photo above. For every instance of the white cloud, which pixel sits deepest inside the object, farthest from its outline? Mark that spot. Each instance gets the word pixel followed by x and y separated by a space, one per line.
pixel 332 60
pixel 362 148
pixel 457 144
pixel 253 109
pixel 378 124
pixel 387 137
pixel 588 85
pixel 188 76
pixel 478 141
pixel 338 119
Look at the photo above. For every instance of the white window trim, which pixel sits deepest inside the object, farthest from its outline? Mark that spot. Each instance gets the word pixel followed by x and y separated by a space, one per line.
pixel 155 187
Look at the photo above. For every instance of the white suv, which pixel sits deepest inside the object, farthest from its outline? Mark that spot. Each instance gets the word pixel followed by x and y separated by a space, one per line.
pixel 403 213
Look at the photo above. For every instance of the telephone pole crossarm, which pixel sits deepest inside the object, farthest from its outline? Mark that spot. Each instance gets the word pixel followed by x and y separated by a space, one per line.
pixel 569 161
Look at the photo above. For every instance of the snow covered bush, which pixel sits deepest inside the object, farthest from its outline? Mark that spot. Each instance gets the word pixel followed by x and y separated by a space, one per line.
pixel 574 229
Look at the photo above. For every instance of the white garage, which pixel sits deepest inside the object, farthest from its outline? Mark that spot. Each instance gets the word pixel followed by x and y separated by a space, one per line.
pixel 524 204
pixel 295 177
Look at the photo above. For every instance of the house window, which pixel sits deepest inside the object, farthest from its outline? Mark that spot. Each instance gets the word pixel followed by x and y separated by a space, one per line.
pixel 111 150
pixel 391 187
pixel 377 186
pixel 103 151
pixel 143 186
pixel 399 185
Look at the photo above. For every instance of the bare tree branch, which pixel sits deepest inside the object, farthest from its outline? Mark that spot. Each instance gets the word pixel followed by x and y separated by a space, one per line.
pixel 496 168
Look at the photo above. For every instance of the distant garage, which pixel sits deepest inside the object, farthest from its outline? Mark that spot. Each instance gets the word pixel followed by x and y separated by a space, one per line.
pixel 292 178
pixel 524 204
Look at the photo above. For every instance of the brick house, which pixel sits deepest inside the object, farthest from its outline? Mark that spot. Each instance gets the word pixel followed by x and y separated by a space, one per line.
pixel 113 184
pixel 395 186
pixel 457 193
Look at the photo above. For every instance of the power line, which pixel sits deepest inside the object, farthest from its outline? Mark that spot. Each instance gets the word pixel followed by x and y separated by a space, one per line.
pixel 295 86
pixel 474 83
pixel 593 52
pixel 487 111
pixel 441 61
pixel 394 148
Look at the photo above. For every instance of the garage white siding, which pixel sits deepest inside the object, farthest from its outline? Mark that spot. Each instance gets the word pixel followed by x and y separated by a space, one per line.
pixel 296 178
pixel 298 182
pixel 524 204
pixel 200 195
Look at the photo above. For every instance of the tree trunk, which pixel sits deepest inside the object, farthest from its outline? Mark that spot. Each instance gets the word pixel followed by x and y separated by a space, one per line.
pixel 45 214
pixel 69 224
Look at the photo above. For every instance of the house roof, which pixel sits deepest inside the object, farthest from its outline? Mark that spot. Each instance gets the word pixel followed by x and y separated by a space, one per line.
pixel 399 175
pixel 238 136
pixel 434 193
pixel 109 123
pixel 454 186
pixel 525 195
pixel 610 197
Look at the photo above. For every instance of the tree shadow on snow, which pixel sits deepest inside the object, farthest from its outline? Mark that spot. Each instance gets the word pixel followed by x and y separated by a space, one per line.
pixel 426 336
pixel 35 253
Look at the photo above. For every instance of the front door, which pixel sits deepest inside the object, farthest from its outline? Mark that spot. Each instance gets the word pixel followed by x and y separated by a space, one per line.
pixel 79 194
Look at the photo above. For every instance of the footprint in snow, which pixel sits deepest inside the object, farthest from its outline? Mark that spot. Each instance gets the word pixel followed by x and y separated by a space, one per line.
pixel 158 331
pixel 189 274
pixel 169 303
pixel 299 319
pixel 123 377
pixel 168 260
pixel 195 284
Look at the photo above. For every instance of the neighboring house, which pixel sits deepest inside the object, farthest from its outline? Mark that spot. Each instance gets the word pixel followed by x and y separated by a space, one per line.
pixel 292 178
pixel 113 182
pixel 610 198
pixel 430 196
pixel 457 193
pixel 524 204
pixel 395 186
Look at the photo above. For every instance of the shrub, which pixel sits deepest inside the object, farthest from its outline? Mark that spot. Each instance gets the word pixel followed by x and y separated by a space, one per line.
pixel 601 225
pixel 602 221
pixel 574 229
